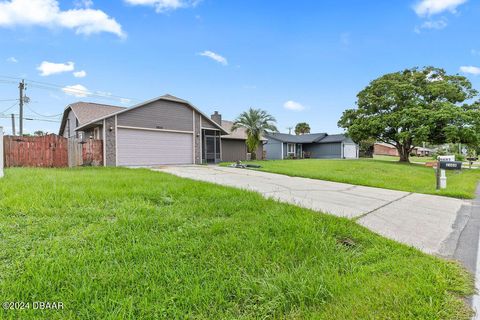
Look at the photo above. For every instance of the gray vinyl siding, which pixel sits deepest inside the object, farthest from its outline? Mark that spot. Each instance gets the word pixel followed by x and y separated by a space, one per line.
pixel 70 125
pixel 208 124
pixel 324 150
pixel 260 152
pixel 273 149
pixel 234 150
pixel 160 114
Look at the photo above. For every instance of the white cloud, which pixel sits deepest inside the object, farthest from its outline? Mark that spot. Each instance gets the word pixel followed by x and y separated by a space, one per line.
pixel 164 5
pixel 77 90
pixel 214 56
pixel 47 13
pixel 49 68
pixel 12 60
pixel 431 7
pixel 292 105
pixel 80 74
pixel 470 70
pixel 434 24
pixel 83 3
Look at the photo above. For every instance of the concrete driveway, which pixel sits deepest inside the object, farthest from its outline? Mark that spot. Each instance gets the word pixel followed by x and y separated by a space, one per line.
pixel 430 223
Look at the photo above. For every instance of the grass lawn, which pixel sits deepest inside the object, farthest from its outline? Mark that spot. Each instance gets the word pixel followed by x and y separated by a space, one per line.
pixel 377 173
pixel 412 159
pixel 114 243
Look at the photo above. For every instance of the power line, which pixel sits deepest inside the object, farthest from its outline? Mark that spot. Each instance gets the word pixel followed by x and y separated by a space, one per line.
pixel 8 100
pixel 13 105
pixel 56 87
pixel 4 116
pixel 43 115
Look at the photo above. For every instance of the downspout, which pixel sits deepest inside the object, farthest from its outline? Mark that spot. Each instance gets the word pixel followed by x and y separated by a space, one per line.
pixel 282 150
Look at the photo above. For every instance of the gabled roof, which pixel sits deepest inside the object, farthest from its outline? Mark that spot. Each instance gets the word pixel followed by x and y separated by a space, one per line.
pixel 334 138
pixel 166 97
pixel 304 138
pixel 308 138
pixel 239 134
pixel 87 111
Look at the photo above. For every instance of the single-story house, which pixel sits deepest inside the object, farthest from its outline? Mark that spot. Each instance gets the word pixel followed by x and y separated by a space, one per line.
pixel 385 149
pixel 234 147
pixel 164 130
pixel 315 145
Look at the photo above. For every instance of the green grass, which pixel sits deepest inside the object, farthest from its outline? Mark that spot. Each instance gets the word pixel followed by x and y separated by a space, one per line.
pixel 136 244
pixel 377 173
pixel 412 159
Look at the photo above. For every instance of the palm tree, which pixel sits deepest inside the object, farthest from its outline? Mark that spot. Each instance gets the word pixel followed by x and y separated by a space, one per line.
pixel 256 122
pixel 302 128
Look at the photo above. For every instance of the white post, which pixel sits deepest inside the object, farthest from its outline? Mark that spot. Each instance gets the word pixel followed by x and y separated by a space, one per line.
pixel 1 152
pixel 443 179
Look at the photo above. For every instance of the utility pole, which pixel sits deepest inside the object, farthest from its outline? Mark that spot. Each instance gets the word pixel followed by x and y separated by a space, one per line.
pixel 13 124
pixel 21 87
pixel 289 130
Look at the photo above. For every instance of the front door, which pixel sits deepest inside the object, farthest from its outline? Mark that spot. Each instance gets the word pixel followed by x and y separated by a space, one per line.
pixel 211 146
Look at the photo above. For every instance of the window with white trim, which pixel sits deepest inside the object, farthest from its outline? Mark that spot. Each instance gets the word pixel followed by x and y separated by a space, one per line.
pixel 290 148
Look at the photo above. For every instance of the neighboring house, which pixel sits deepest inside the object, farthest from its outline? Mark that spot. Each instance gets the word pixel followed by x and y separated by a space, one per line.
pixel 164 130
pixel 79 113
pixel 234 147
pixel 315 145
pixel 384 149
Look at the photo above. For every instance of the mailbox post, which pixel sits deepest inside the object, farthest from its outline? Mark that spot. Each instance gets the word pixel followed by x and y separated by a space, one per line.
pixel 440 171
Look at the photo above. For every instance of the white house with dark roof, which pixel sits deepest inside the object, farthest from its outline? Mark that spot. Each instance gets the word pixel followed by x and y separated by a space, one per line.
pixel 315 146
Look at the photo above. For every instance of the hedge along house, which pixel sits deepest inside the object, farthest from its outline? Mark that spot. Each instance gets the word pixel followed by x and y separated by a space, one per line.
pixel 164 130
pixel 234 146
pixel 316 146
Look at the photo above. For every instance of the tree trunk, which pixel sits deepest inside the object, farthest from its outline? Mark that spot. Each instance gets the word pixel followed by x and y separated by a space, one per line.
pixel 253 155
pixel 404 153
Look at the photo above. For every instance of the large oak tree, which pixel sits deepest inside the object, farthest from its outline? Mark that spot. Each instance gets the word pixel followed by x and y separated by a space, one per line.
pixel 409 107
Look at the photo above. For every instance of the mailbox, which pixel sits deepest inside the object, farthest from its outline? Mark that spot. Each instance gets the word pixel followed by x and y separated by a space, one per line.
pixel 451 165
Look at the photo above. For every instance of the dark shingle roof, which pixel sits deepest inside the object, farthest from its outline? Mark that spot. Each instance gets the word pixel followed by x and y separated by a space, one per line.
pixel 309 138
pixel 334 138
pixel 305 138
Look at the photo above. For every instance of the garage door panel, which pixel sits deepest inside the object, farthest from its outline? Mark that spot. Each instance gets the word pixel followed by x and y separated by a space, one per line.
pixel 143 147
pixel 350 151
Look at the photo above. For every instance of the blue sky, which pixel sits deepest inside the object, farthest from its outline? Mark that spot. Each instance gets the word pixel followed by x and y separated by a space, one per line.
pixel 299 60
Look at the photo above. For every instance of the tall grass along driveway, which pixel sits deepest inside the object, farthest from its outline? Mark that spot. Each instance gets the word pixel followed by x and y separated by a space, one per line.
pixel 378 173
pixel 136 244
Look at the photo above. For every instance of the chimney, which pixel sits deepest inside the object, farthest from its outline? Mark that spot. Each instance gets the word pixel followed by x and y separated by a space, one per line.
pixel 217 117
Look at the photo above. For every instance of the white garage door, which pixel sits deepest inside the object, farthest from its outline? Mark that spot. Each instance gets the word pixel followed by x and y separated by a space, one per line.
pixel 147 148
pixel 350 151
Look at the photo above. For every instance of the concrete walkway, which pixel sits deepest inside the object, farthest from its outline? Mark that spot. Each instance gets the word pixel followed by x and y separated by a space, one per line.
pixel 430 223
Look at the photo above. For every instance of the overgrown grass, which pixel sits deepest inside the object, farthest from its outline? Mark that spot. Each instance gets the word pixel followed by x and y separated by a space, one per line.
pixel 136 244
pixel 378 173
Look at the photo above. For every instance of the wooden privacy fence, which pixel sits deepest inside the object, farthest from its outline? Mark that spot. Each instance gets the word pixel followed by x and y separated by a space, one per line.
pixel 43 151
pixel 85 153
pixel 51 151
